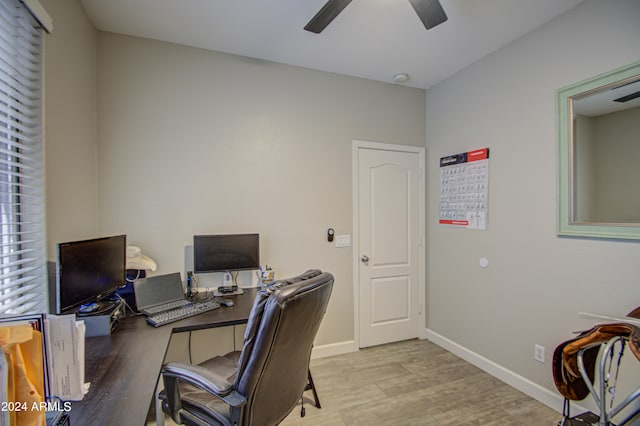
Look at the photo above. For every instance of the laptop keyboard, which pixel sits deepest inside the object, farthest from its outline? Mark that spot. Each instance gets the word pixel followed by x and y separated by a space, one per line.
pixel 166 306
pixel 183 312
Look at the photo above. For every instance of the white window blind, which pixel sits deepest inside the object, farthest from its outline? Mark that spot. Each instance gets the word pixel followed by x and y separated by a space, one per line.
pixel 23 275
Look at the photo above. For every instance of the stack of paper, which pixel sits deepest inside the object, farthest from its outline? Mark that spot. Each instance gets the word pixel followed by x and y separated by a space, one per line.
pixel 65 353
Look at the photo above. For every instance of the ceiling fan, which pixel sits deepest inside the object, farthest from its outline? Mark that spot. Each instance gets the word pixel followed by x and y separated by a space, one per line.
pixel 430 12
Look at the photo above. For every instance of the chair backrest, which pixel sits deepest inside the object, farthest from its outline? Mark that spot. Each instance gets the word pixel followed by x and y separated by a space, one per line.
pixel 274 363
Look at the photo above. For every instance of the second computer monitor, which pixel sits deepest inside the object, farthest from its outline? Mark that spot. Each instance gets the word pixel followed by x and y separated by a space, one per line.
pixel 226 252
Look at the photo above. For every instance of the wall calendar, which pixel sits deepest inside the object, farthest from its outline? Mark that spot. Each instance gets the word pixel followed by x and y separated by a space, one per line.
pixel 464 189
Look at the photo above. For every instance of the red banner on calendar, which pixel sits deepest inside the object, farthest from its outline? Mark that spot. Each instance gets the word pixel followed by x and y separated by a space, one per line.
pixel 454 222
pixel 478 154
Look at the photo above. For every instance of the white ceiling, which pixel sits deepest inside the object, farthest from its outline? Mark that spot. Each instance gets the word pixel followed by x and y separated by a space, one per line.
pixel 372 39
pixel 603 101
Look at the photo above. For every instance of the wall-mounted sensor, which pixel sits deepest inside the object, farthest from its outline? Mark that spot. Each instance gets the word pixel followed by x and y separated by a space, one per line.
pixel 330 234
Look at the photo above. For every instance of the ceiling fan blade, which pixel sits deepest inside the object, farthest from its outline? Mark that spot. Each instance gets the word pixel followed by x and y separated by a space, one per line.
pixel 329 11
pixel 430 12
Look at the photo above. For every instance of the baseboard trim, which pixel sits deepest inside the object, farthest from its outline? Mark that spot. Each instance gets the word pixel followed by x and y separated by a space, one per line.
pixel 524 385
pixel 334 349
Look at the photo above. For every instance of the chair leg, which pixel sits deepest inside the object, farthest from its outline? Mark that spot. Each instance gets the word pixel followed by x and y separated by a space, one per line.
pixel 311 386
pixel 159 412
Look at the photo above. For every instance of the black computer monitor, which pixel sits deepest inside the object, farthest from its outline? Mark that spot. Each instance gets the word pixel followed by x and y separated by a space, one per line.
pixel 88 271
pixel 222 253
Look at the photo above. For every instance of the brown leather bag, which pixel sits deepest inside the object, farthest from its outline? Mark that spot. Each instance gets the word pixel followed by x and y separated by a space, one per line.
pixel 566 373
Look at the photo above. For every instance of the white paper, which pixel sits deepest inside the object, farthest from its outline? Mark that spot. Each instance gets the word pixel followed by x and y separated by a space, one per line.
pixel 65 348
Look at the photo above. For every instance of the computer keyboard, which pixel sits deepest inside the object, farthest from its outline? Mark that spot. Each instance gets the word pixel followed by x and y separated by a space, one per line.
pixel 190 310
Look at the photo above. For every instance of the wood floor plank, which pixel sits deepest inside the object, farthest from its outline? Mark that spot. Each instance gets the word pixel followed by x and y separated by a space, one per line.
pixel 414 383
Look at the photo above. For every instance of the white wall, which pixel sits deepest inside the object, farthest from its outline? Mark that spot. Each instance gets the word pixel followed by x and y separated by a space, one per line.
pixel 536 282
pixel 193 141
pixel 70 125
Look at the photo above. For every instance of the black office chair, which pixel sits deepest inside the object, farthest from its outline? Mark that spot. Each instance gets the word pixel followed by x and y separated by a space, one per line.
pixel 261 384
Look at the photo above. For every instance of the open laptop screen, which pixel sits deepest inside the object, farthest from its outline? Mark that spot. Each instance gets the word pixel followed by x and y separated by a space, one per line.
pixel 159 289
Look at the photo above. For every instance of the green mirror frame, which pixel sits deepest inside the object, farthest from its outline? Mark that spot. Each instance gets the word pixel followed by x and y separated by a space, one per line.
pixel 565 169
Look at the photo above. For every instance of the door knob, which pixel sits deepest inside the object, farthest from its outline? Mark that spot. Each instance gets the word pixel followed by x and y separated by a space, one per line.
pixel 364 258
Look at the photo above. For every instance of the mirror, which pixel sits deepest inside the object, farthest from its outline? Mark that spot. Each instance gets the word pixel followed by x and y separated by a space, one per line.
pixel 599 148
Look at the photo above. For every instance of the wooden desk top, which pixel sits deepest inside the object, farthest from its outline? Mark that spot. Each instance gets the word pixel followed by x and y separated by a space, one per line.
pixel 124 368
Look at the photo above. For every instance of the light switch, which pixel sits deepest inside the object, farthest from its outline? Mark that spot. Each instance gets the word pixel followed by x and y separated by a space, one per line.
pixel 343 240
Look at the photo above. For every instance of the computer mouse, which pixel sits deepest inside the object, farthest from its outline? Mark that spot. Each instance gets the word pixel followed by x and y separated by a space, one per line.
pixel 227 302
pixel 89 307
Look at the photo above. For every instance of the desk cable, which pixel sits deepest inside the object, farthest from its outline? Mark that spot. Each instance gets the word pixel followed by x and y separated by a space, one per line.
pixel 127 305
pixel 205 296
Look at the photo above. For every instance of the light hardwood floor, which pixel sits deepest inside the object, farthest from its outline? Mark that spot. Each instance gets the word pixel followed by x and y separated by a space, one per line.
pixel 413 383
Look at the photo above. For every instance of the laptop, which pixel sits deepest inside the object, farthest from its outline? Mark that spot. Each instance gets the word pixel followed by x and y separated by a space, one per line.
pixel 159 293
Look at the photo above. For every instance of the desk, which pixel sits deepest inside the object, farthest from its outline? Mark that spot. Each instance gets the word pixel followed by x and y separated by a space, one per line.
pixel 124 368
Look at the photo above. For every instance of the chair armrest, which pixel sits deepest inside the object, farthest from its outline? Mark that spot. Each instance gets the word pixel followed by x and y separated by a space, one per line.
pixel 202 378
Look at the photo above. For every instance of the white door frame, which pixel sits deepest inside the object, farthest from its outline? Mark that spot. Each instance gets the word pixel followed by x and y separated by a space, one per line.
pixel 356 146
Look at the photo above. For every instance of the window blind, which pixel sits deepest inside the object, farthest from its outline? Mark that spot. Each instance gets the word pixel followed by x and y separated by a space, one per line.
pixel 23 274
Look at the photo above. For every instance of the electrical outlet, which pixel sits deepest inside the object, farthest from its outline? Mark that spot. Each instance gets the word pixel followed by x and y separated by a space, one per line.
pixel 538 353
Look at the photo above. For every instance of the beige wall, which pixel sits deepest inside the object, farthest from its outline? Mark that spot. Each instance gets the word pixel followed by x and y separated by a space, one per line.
pixel 193 141
pixel 606 167
pixel 70 125
pixel 618 174
pixel 536 282
pixel 585 169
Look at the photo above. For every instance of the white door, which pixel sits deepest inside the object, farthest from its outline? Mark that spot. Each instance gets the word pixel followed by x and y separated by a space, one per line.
pixel 390 212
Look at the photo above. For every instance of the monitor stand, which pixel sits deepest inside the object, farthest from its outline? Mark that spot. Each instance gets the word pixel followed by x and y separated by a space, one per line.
pixel 105 319
pixel 227 291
